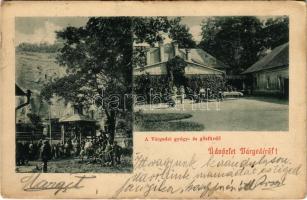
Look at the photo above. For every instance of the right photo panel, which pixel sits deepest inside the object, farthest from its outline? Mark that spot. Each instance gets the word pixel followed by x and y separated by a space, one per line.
pixel 211 73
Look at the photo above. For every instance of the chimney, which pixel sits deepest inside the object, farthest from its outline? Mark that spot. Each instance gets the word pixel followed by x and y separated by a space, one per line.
pixel 78 109
pixel 148 56
pixel 176 49
pixel 188 54
pixel 161 49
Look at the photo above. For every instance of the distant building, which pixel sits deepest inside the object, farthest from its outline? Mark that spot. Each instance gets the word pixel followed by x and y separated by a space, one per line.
pixel 77 125
pixel 270 75
pixel 198 61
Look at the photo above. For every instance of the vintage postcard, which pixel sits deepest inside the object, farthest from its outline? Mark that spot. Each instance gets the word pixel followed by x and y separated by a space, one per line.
pixel 153 99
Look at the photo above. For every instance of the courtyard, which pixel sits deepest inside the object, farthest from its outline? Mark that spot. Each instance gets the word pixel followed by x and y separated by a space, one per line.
pixel 232 114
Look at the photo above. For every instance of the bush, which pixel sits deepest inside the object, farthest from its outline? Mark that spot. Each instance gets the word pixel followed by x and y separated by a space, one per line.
pixel 159 84
pixel 213 82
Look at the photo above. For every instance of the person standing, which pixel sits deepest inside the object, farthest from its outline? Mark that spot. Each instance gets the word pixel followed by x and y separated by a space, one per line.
pixel 202 94
pixel 116 153
pixel 66 149
pixel 220 95
pixel 31 151
pixel 108 154
pixel 38 148
pixel 45 155
pixel 182 94
pixel 173 96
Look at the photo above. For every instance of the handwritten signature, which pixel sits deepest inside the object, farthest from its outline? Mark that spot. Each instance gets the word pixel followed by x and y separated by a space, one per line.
pixel 34 182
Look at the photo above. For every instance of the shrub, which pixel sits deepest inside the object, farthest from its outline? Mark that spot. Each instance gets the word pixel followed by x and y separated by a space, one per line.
pixel 159 84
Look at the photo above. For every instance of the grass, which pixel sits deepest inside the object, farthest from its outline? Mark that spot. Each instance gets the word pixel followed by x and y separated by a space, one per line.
pixel 165 122
pixel 159 117
pixel 170 126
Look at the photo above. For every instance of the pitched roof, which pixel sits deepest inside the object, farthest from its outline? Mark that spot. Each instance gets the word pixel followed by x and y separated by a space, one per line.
pixel 201 57
pixel 198 56
pixel 76 118
pixel 278 57
pixel 19 91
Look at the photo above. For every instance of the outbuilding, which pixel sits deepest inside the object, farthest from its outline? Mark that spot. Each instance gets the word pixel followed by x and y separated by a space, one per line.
pixel 270 75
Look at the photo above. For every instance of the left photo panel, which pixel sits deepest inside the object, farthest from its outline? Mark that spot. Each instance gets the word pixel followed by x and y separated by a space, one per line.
pixel 74 106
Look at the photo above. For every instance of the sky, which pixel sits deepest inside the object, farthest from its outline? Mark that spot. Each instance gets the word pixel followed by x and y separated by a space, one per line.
pixel 42 29
pixel 194 24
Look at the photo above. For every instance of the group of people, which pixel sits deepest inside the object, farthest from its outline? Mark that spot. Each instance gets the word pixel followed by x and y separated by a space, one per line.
pixel 29 151
pixel 98 149
pixel 101 150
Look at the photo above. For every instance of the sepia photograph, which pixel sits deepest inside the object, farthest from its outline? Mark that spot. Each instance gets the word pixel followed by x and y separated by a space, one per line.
pixel 84 84
pixel 153 100
pixel 227 73
pixel 72 77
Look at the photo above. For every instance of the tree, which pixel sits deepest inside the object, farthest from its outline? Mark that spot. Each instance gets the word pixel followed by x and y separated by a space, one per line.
pixel 98 57
pixel 154 29
pixel 36 123
pixel 276 31
pixel 241 41
pixel 176 70
pixel 35 120
pixel 149 29
pixel 181 34
pixel 234 40
pixel 139 56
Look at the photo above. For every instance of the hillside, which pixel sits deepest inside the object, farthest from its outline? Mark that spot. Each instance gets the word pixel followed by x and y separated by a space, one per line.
pixel 33 71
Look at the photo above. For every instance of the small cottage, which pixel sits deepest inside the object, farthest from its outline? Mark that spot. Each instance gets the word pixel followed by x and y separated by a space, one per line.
pixel 270 75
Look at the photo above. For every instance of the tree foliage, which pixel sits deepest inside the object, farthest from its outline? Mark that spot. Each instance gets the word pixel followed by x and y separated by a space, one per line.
pixel 98 59
pixel 36 121
pixel 176 70
pixel 275 32
pixel 181 34
pixel 149 29
pixel 159 86
pixel 139 56
pixel 241 41
pixel 155 29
